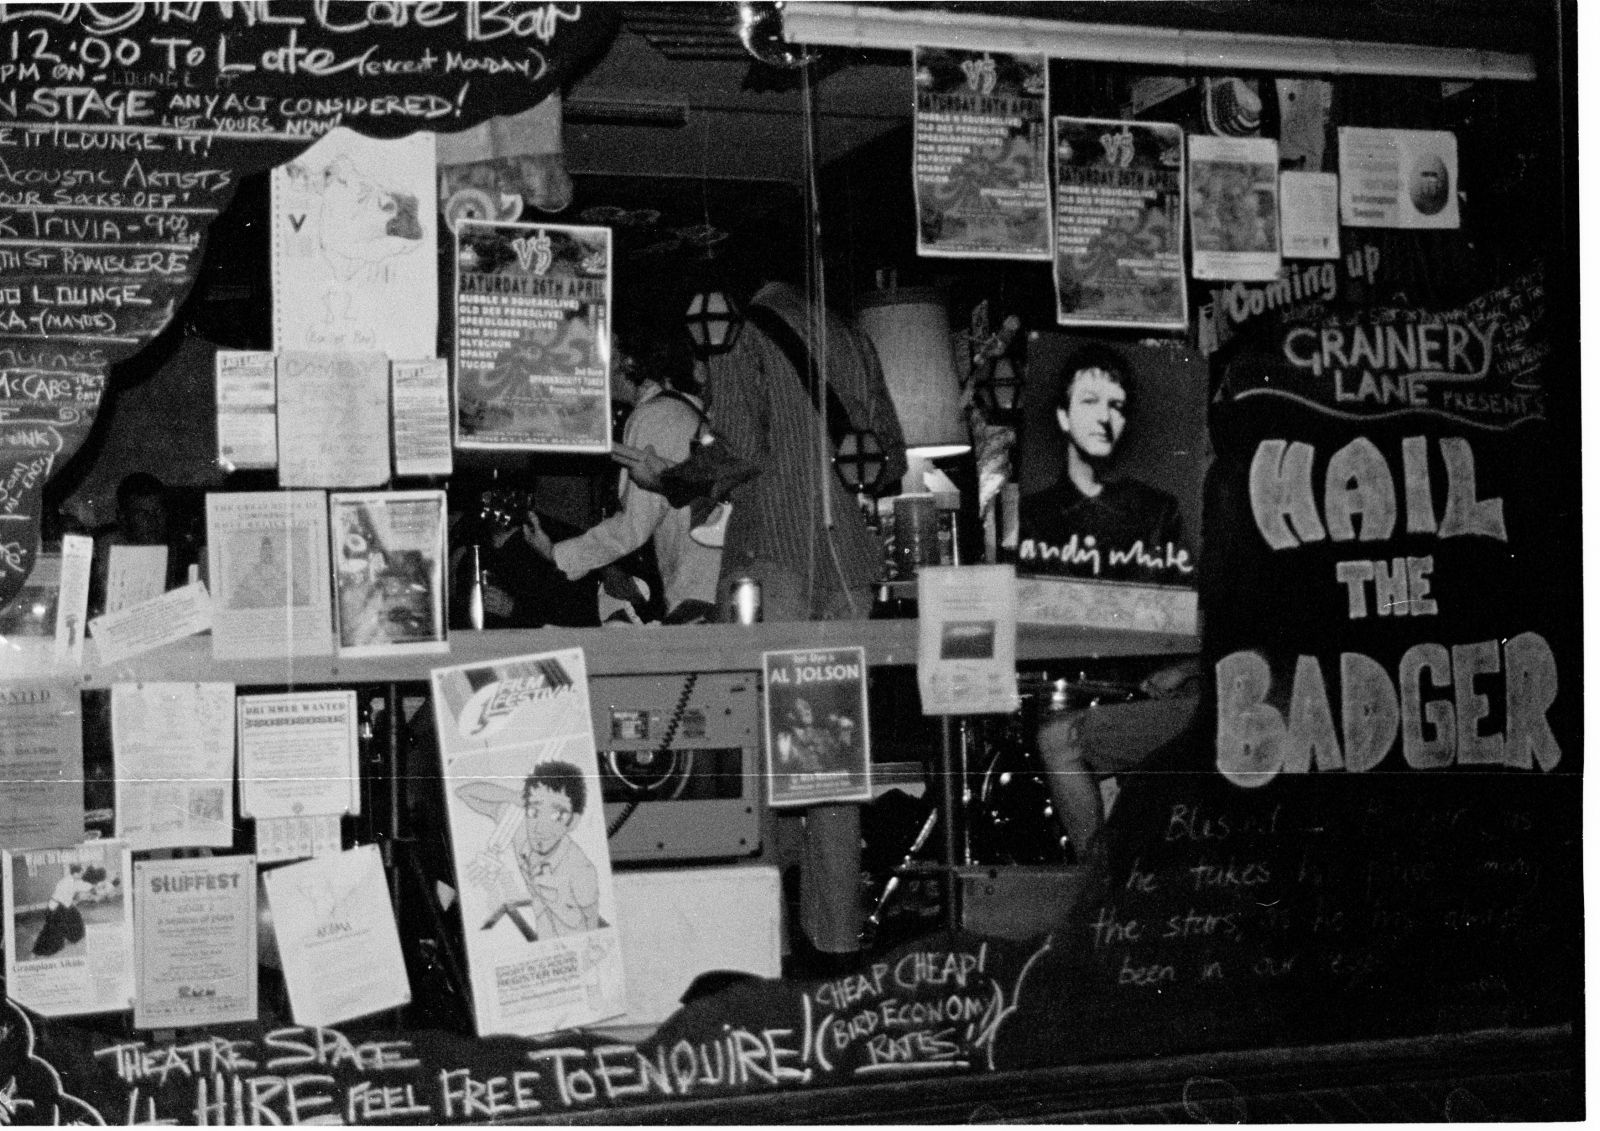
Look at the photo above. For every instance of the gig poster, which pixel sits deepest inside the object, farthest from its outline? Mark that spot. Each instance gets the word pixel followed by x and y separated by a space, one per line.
pixel 982 182
pixel 194 942
pixel 533 337
pixel 1113 459
pixel 528 833
pixel 41 764
pixel 68 929
pixel 247 409
pixel 818 740
pixel 1233 207
pixel 419 395
pixel 1119 224
pixel 388 563
pixel 354 247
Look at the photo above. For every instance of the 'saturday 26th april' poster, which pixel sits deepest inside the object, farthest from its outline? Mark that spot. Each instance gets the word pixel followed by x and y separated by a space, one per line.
pixel 533 337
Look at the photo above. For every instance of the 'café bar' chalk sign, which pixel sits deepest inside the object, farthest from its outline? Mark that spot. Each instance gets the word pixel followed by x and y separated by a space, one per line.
pixel 124 129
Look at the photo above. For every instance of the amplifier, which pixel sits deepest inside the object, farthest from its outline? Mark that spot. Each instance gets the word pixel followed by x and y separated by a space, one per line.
pixel 680 764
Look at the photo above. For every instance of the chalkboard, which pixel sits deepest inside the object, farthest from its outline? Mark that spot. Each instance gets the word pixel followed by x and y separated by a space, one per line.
pixel 125 128
pixel 1316 909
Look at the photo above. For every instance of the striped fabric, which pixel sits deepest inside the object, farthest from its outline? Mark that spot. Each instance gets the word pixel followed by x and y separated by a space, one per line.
pixel 760 408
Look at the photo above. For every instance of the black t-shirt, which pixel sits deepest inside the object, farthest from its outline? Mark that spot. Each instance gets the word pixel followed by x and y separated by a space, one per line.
pixel 1130 531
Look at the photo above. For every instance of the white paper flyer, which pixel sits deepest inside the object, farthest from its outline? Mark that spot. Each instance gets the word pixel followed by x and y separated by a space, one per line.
pixel 194 942
pixel 420 395
pixel 527 826
pixel 388 561
pixel 247 409
pixel 333 419
pixel 41 764
pixel 297 754
pixel 72 604
pixel 268 558
pixel 967 639
pixel 68 929
pixel 1398 178
pixel 172 747
pixel 134 575
pixel 354 247
pixel 1310 215
pixel 151 624
pixel 336 937
pixel 1233 207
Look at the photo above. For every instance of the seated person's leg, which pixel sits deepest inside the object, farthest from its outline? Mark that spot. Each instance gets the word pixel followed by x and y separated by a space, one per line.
pixel 1074 787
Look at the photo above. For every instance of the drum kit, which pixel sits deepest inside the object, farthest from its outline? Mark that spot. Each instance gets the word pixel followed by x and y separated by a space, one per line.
pixel 1010 815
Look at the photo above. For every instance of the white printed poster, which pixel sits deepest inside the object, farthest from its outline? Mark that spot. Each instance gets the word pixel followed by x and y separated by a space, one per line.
pixel 354 247
pixel 247 409
pixel 333 419
pixel 1310 205
pixel 336 937
pixel 297 754
pixel 967 639
pixel 41 764
pixel 267 553
pixel 527 826
pixel 68 929
pixel 1233 207
pixel 172 747
pixel 134 575
pixel 1398 178
pixel 420 394
pixel 194 942
pixel 388 564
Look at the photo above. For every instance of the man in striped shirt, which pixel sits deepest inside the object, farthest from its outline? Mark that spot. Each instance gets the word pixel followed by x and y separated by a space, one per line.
pixel 765 401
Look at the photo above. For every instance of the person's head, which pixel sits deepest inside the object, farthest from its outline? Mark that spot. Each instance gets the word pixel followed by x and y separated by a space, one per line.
pixel 801 712
pixel 553 797
pixel 93 874
pixel 1094 402
pixel 142 509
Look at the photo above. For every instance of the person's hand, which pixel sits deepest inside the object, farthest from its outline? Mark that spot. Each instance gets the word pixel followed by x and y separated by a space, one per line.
pixel 496 601
pixel 535 536
pixel 644 466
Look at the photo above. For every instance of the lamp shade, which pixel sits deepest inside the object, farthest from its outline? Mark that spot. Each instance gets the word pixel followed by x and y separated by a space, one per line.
pixel 911 332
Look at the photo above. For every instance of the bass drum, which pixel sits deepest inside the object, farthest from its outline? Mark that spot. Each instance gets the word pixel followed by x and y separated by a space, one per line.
pixel 1011 817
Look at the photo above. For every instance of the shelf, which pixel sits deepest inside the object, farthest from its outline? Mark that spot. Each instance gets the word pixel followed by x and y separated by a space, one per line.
pixel 621 650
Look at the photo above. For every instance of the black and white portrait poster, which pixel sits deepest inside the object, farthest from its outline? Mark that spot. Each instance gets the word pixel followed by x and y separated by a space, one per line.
pixel 1113 453
pixel 818 748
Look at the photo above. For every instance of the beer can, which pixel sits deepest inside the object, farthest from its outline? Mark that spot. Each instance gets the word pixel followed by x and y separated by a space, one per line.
pixel 745 602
